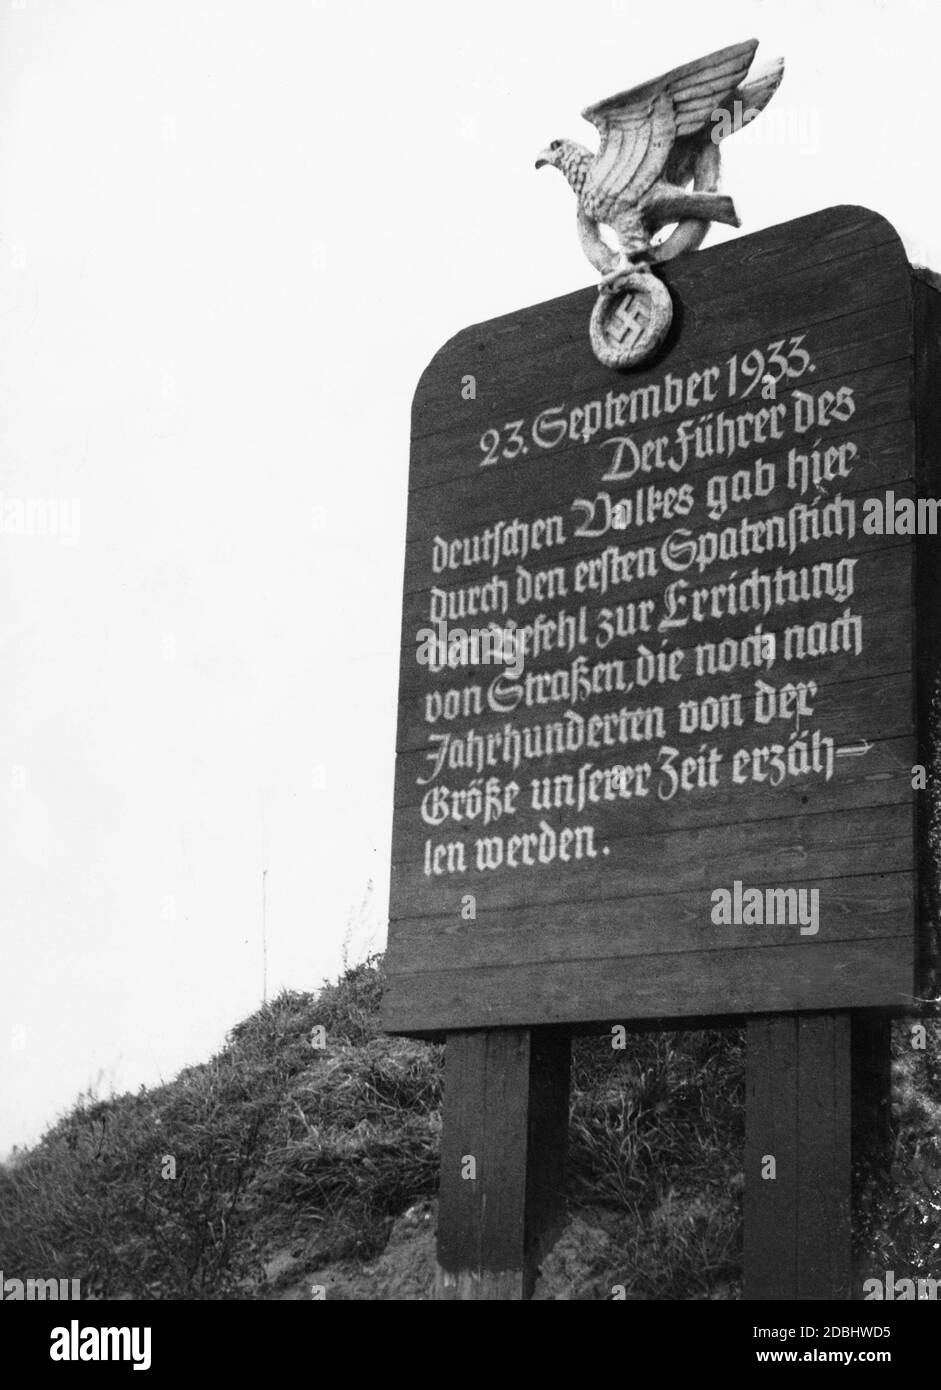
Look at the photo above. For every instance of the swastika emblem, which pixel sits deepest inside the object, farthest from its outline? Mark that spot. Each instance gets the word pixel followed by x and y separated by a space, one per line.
pixel 630 319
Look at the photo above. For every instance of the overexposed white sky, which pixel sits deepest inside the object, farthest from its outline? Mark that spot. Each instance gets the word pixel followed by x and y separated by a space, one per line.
pixel 231 236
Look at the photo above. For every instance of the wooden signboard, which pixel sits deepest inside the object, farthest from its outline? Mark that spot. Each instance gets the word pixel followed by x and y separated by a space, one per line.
pixel 712 710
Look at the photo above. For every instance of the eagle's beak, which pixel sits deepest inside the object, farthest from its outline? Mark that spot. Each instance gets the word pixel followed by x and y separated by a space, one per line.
pixel 544 158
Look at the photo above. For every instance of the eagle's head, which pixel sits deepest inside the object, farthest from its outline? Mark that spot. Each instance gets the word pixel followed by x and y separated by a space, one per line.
pixel 571 158
pixel 552 154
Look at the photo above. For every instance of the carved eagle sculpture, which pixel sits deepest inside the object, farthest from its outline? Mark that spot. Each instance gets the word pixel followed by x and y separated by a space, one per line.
pixel 656 139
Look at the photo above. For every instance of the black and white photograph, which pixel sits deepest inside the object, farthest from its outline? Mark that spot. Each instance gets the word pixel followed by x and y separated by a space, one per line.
pixel 470 711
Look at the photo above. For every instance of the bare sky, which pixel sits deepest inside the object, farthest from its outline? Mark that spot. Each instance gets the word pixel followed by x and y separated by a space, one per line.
pixel 231 236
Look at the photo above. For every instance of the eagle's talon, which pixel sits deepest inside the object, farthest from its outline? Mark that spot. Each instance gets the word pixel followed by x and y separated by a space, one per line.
pixel 613 283
pixel 620 279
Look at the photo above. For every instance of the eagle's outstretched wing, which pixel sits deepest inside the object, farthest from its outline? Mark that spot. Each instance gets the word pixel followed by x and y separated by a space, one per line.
pixel 744 104
pixel 639 128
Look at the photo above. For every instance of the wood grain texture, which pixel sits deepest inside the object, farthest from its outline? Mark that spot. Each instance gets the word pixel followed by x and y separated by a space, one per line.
pixel 868 548
pixel 838 680
pixel 770 979
pixel 506 1109
pixel 797 1113
pixel 624 929
pixel 791 851
pixel 928 631
pixel 875 355
pixel 851 908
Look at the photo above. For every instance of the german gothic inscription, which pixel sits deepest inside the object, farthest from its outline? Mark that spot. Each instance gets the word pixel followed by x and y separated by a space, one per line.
pixel 658 646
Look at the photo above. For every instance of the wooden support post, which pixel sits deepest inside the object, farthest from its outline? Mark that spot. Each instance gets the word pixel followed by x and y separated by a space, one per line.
pixel 798 1157
pixel 817 1108
pixel 502 1192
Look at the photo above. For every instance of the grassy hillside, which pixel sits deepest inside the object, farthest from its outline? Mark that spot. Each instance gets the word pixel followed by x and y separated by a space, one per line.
pixel 281 1163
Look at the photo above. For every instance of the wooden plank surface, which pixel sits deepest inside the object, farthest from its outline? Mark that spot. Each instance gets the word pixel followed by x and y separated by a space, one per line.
pixel 832 674
pixel 928 634
pixel 869 905
pixel 879 342
pixel 556 900
pixel 887 447
pixel 859 974
pixel 797 1116
pixel 419 611
pixel 789 852
pixel 504 1136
